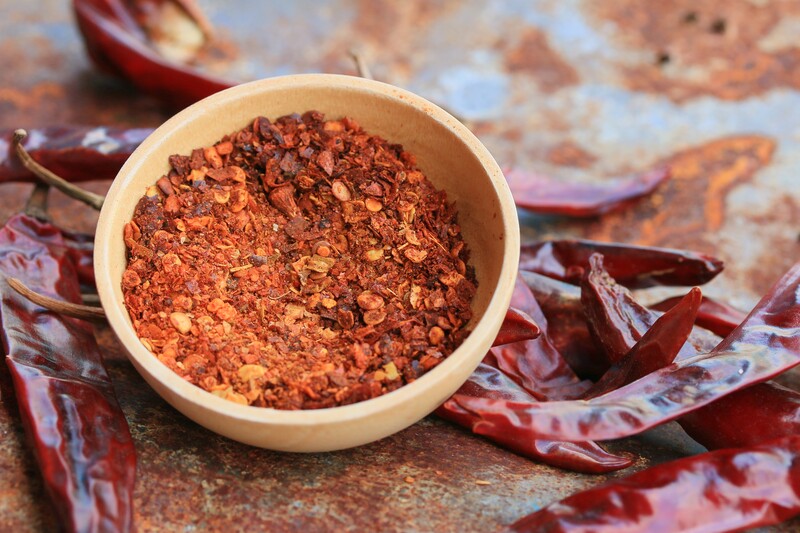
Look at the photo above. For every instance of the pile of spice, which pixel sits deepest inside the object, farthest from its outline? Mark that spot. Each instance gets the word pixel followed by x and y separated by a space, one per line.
pixel 298 264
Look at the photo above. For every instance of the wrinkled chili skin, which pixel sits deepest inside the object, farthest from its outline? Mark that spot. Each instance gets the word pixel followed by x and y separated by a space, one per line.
pixel 118 45
pixel 725 490
pixel 753 415
pixel 80 247
pixel 632 266
pixel 616 320
pixel 536 364
pixel 524 372
pixel 517 326
pixel 542 194
pixel 75 153
pixel 489 382
pixel 766 344
pixel 77 430
pixel 714 316
pixel 566 324
pixel 658 347
pixel 746 417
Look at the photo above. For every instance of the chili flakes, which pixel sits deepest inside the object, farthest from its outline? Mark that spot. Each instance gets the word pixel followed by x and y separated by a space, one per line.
pixel 297 264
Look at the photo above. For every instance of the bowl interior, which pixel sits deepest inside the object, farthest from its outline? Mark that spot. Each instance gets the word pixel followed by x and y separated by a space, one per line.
pixel 450 156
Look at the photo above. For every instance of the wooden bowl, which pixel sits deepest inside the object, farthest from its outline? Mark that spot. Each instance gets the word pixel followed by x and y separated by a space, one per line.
pixel 447 152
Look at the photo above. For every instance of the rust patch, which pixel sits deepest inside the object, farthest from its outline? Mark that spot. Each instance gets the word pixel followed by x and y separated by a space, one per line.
pixel 47 87
pixel 368 12
pixel 533 55
pixel 30 99
pixel 716 48
pixel 379 22
pixel 691 206
pixel 778 233
pixel 570 154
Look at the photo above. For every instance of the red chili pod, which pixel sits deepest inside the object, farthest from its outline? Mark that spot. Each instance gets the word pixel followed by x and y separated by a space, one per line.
pixel 657 348
pixel 717 317
pixel 746 417
pixel 566 324
pixel 536 364
pixel 78 432
pixel 544 194
pixel 489 382
pixel 764 345
pixel 725 490
pixel 517 326
pixel 120 41
pixel 630 265
pixel 75 153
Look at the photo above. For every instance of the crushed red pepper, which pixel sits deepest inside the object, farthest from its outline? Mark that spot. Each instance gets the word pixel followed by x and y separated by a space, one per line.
pixel 298 264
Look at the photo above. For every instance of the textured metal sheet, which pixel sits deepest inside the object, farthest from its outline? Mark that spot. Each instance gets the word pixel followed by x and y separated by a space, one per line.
pixel 583 90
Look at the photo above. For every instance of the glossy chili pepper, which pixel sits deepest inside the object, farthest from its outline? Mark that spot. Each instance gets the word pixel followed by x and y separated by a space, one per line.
pixel 543 194
pixel 615 319
pixel 632 266
pixel 568 328
pixel 536 364
pixel 566 324
pixel 725 490
pixel 122 38
pixel 76 153
pixel 764 345
pixel 746 417
pixel 489 382
pixel 657 348
pixel 78 432
pixel 80 247
pixel 714 316
pixel 517 326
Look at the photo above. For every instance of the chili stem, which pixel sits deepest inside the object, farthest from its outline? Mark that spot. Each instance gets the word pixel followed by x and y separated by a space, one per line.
pixel 36 206
pixel 90 299
pixel 83 312
pixel 71 190
pixel 361 66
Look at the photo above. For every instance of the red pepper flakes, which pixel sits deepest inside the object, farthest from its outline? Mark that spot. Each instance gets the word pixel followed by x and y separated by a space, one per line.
pixel 298 264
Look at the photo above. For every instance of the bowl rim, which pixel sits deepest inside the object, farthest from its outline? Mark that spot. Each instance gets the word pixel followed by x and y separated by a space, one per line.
pixel 119 320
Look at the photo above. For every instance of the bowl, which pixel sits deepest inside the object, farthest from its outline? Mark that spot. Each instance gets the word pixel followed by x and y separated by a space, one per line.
pixel 450 156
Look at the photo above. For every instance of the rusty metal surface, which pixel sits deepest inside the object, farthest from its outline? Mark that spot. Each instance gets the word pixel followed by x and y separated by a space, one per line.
pixel 583 90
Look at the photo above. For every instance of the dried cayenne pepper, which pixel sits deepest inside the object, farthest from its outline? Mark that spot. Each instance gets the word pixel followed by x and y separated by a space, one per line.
pixel 298 264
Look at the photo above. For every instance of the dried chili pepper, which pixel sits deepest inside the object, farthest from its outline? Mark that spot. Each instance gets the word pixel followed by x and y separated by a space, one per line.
pixel 632 266
pixel 79 433
pixel 657 348
pixel 615 319
pixel 76 153
pixel 524 372
pixel 764 345
pixel 489 382
pixel 568 328
pixel 725 490
pixel 746 417
pixel 150 45
pixel 566 324
pixel 536 364
pixel 714 316
pixel 517 326
pixel 80 248
pixel 543 194
pixel 750 416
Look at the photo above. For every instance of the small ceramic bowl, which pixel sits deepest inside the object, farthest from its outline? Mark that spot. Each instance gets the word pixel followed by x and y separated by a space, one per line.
pixel 451 157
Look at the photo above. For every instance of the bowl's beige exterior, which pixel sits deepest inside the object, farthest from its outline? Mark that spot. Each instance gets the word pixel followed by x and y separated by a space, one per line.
pixel 448 154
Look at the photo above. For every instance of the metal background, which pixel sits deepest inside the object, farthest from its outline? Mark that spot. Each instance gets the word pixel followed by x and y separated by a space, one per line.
pixel 582 90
